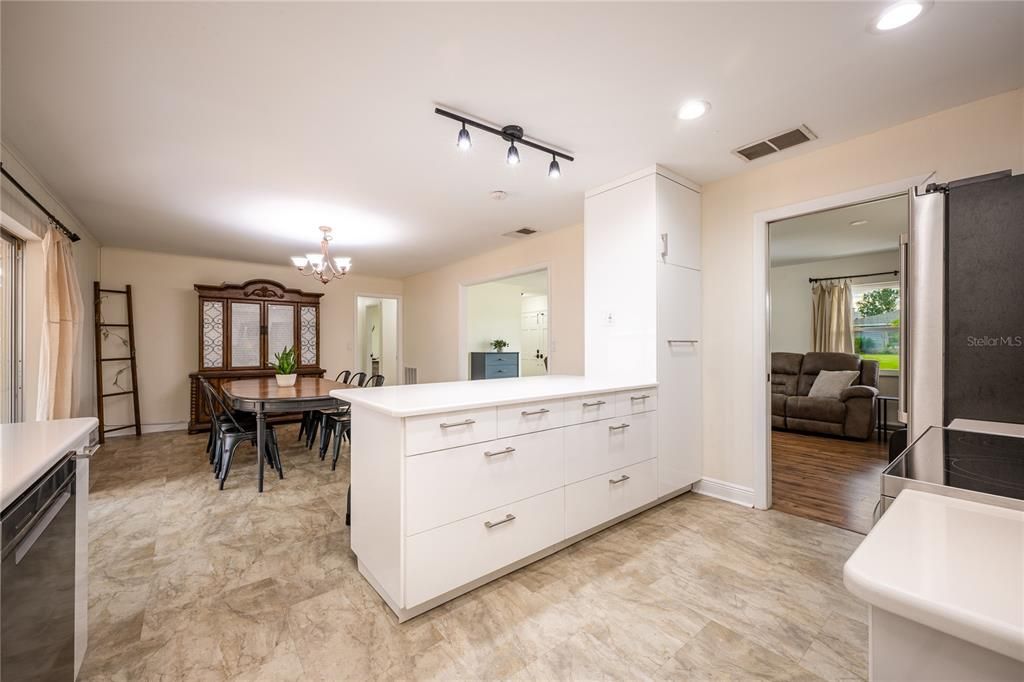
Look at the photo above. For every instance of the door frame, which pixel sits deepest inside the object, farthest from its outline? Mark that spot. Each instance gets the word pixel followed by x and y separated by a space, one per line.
pixel 462 361
pixel 761 390
pixel 400 360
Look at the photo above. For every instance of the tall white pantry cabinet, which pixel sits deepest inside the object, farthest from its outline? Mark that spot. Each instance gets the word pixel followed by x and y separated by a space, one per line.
pixel 642 304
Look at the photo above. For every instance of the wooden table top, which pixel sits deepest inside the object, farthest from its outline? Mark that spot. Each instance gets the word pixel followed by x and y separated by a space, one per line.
pixel 266 389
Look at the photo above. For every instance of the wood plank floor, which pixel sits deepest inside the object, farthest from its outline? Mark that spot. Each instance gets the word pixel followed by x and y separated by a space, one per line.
pixel 825 479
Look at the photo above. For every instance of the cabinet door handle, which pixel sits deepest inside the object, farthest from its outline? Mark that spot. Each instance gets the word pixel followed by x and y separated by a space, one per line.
pixel 87 452
pixel 619 427
pixel 621 479
pixel 465 422
pixel 664 244
pixel 506 451
pixel 594 404
pixel 542 410
pixel 492 524
pixel 639 397
pixel 682 340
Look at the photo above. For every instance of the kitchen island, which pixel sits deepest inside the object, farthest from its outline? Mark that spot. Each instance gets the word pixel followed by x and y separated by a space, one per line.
pixel 455 484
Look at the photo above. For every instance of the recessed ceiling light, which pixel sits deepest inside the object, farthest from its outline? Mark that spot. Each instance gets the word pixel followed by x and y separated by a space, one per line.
pixel 900 14
pixel 693 108
pixel 499 195
pixel 858 223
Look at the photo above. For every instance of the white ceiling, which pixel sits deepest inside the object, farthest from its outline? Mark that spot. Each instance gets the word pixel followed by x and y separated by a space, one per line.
pixel 235 129
pixel 829 234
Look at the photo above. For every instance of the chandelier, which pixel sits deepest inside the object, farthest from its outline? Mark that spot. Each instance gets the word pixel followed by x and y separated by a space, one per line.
pixel 320 265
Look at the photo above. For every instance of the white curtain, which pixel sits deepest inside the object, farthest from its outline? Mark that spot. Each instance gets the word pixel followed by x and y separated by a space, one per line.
pixel 832 317
pixel 60 352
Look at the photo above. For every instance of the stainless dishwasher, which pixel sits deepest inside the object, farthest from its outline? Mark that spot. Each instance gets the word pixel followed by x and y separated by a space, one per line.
pixel 37 580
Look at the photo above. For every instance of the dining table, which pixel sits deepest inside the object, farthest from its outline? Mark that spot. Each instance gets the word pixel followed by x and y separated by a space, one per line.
pixel 263 396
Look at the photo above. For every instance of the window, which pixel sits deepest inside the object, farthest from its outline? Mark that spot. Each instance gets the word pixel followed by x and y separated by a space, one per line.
pixel 10 327
pixel 876 323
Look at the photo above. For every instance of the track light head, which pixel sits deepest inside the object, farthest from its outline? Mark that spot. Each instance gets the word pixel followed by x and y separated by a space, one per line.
pixel 553 169
pixel 512 158
pixel 464 142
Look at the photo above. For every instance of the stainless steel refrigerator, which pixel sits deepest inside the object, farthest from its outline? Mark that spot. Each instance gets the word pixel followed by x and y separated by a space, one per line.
pixel 962 324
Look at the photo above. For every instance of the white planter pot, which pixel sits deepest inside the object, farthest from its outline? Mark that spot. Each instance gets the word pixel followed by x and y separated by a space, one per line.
pixel 285 380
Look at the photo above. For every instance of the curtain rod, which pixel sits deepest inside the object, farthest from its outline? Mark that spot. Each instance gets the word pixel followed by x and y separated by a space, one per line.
pixel 53 219
pixel 895 273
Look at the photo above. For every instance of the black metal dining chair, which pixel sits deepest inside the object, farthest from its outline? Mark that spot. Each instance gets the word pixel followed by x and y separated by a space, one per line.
pixel 318 420
pixel 232 431
pixel 357 379
pixel 308 417
pixel 375 380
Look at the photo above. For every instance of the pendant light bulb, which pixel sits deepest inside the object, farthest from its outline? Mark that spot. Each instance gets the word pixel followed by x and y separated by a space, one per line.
pixel 513 155
pixel 553 169
pixel 464 142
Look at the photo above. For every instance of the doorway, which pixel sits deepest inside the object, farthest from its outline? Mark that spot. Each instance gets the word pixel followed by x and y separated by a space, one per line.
pixel 510 315
pixel 377 341
pixel 834 314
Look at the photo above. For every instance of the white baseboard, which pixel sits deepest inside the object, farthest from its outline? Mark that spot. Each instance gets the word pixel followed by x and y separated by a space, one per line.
pixel 723 490
pixel 148 428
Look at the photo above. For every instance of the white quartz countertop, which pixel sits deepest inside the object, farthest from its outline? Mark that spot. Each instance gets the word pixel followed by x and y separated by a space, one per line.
pixel 417 399
pixel 952 565
pixel 29 449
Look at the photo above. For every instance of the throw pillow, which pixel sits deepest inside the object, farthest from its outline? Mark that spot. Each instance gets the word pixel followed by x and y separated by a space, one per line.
pixel 831 384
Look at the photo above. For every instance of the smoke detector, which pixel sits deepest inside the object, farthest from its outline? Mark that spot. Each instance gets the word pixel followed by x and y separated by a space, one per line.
pixel 499 195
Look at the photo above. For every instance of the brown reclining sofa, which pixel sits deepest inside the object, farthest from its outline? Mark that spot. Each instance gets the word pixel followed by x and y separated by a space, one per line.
pixel 851 416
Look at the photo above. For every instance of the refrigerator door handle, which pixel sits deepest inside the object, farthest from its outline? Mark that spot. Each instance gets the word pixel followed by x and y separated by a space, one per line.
pixel 903 405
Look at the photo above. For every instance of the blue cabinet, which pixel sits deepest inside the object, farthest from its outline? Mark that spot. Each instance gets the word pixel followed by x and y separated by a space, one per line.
pixel 493 365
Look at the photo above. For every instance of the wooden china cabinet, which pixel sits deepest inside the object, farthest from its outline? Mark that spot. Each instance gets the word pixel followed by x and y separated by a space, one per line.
pixel 241 326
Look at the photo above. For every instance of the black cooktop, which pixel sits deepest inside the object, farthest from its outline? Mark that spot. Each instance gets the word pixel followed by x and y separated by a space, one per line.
pixel 981 462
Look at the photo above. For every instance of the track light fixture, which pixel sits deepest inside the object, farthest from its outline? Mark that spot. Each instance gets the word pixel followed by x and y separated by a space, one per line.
pixel 553 169
pixel 512 134
pixel 464 142
pixel 512 158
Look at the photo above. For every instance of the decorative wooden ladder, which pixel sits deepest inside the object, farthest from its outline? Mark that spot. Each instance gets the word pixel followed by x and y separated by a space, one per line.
pixel 100 327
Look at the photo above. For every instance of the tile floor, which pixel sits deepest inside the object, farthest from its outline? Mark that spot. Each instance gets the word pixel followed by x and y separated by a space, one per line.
pixel 191 583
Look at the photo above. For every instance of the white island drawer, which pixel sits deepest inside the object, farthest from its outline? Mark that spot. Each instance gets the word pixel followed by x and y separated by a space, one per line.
pixel 530 417
pixel 635 402
pixel 591 502
pixel 431 432
pixel 599 447
pixel 449 485
pixel 442 559
pixel 589 408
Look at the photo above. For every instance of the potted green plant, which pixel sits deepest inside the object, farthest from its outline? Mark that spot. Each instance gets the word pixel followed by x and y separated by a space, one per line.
pixel 499 345
pixel 284 367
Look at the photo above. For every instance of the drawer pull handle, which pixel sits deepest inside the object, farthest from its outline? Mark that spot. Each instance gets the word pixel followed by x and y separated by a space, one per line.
pixel 682 341
pixel 465 422
pixel 619 427
pixel 87 452
pixel 542 410
pixel 594 404
pixel 492 524
pixel 506 451
pixel 621 479
pixel 639 397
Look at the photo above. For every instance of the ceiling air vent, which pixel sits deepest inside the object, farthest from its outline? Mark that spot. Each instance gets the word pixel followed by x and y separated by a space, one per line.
pixel 520 233
pixel 776 143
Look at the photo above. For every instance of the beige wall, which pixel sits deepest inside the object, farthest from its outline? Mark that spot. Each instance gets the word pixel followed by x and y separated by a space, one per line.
pixel 166 319
pixel 975 138
pixel 432 303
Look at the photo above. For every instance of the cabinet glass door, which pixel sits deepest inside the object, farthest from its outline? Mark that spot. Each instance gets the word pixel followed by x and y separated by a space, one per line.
pixel 280 328
pixel 308 339
pixel 245 334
